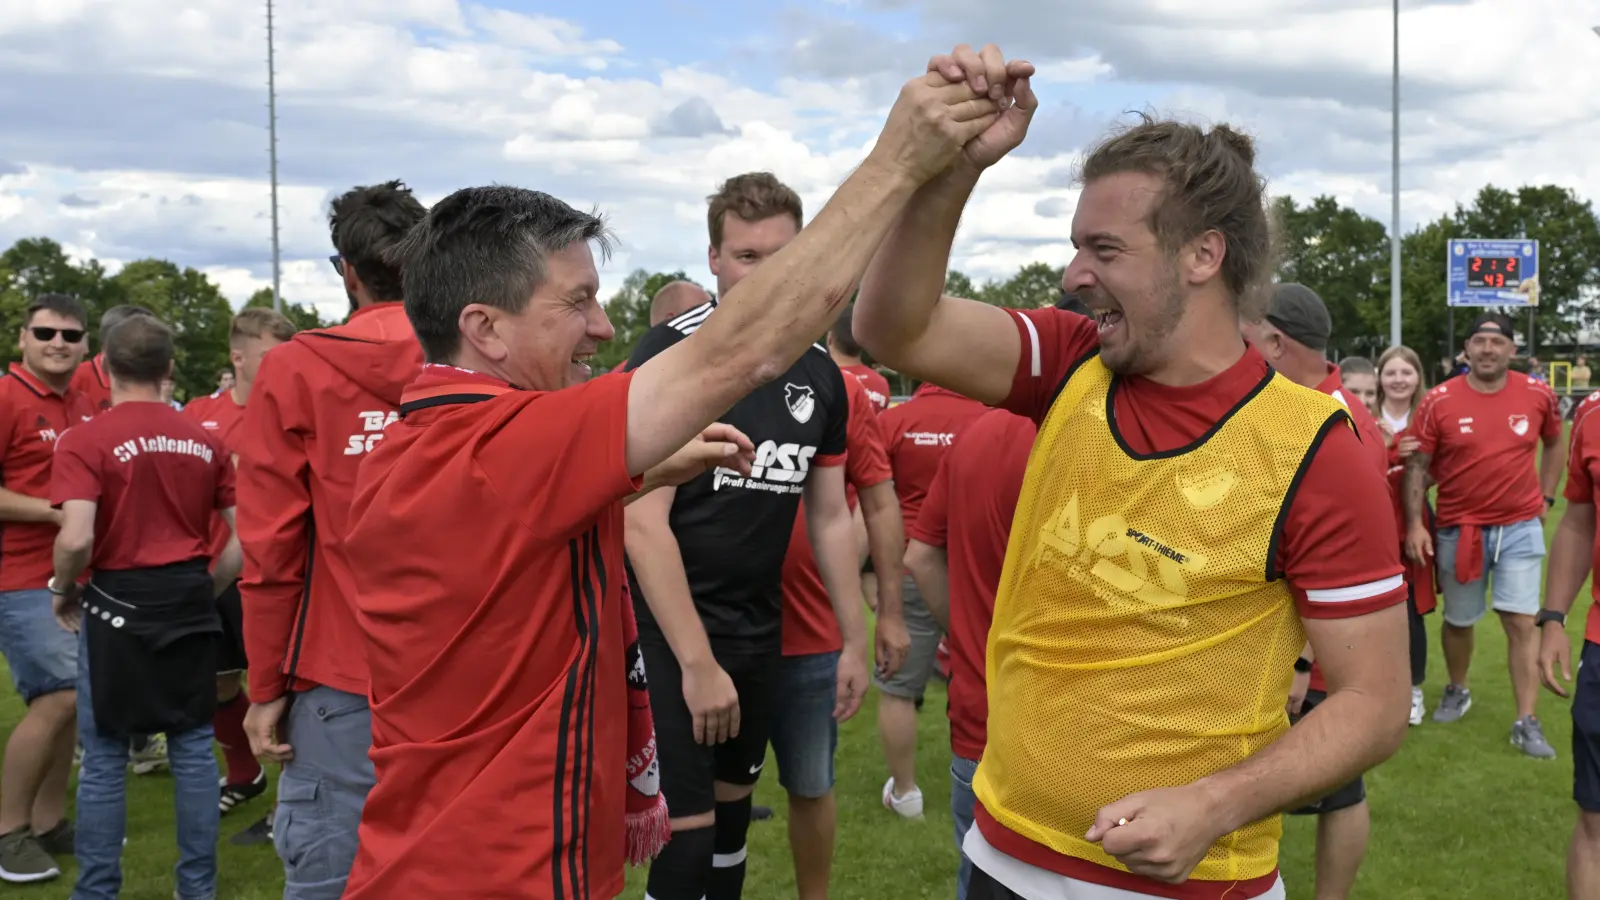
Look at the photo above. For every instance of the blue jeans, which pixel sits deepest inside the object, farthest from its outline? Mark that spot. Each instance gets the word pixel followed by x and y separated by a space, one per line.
pixel 322 791
pixel 963 807
pixel 43 656
pixel 804 733
pixel 103 804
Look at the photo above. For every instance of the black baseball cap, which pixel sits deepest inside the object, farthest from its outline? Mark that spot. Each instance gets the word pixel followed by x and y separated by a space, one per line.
pixel 1493 323
pixel 1299 313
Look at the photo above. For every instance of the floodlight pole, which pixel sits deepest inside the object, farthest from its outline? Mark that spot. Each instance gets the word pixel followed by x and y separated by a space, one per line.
pixel 1394 191
pixel 272 156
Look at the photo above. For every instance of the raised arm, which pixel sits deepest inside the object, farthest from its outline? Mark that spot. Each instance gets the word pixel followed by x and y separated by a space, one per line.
pixel 772 316
pixel 901 315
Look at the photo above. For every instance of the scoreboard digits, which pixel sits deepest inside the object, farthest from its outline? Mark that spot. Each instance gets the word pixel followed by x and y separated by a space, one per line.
pixel 1492 272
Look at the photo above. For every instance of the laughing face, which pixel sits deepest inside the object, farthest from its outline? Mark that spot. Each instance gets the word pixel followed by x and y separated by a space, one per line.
pixel 1120 271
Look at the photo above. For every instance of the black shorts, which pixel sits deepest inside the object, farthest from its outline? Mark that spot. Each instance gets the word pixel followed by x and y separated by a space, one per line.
pixel 1586 730
pixel 689 770
pixel 230 643
pixel 1343 798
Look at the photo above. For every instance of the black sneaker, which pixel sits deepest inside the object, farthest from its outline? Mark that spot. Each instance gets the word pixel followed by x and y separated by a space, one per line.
pixel 259 833
pixel 235 794
pixel 760 813
pixel 60 840
pixel 23 861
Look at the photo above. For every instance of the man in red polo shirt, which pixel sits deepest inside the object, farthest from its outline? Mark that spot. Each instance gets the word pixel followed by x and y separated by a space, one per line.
pixel 956 554
pixel 91 379
pixel 37 405
pixel 805 726
pixel 1574 554
pixel 1478 435
pixel 1293 338
pixel 918 433
pixel 254 331
pixel 318 407
pixel 499 649
pixel 137 488
pixel 847 354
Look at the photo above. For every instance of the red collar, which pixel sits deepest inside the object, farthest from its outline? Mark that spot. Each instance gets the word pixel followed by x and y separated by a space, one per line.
pixel 373 307
pixel 21 373
pixel 442 385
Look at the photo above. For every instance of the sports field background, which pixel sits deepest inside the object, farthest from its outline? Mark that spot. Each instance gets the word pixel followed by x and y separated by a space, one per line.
pixel 1458 813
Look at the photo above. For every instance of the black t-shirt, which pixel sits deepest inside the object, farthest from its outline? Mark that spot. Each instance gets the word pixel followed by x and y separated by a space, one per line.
pixel 733 531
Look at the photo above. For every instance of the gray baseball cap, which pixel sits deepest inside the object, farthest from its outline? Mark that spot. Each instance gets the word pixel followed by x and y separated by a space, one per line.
pixel 1299 313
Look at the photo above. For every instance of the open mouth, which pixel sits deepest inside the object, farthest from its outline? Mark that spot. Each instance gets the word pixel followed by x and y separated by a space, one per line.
pixel 581 360
pixel 1107 320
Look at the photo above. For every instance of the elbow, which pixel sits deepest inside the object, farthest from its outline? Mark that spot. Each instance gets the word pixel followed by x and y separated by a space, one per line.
pixel 75 544
pixel 919 561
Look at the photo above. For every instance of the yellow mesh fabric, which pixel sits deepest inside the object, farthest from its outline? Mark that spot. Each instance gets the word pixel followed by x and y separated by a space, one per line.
pixel 1136 641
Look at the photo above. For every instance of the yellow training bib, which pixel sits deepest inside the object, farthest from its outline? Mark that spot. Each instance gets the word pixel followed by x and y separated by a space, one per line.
pixel 1142 637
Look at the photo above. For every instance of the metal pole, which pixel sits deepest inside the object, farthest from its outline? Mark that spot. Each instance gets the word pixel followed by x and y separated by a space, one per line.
pixel 1394 190
pixel 272 155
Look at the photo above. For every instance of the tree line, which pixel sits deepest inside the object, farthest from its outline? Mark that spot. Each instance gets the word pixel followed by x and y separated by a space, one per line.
pixel 1334 249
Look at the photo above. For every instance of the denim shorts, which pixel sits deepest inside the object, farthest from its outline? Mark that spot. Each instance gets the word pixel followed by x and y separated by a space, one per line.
pixel 804 733
pixel 963 809
pixel 1512 558
pixel 42 655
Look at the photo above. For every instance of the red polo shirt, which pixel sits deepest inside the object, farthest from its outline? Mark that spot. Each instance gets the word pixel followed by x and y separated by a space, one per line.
pixel 918 433
pixel 1583 486
pixel 809 623
pixel 32 418
pixel 877 386
pixel 968 512
pixel 156 478
pixel 93 383
pixel 220 415
pixel 1484 448
pixel 489 526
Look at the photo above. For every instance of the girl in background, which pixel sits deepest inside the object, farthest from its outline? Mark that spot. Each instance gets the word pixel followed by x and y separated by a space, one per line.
pixel 1399 391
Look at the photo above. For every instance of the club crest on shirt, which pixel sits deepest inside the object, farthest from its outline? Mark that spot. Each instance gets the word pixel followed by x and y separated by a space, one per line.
pixel 802 401
pixel 1206 479
pixel 1519 424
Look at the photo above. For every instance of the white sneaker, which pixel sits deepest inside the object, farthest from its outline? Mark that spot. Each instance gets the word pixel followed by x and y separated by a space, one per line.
pixel 908 806
pixel 1419 707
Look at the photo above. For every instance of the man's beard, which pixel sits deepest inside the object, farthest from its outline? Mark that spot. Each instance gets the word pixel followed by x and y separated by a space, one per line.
pixel 1138 353
pixel 353 304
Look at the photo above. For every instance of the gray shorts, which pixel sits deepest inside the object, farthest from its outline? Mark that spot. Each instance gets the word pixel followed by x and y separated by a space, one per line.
pixel 322 791
pixel 921 660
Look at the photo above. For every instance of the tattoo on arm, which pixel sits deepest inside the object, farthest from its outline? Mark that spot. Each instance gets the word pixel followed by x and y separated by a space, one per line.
pixel 1416 491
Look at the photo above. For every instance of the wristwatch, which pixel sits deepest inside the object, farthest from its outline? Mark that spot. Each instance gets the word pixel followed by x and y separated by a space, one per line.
pixel 51 587
pixel 1302 665
pixel 1549 501
pixel 1550 615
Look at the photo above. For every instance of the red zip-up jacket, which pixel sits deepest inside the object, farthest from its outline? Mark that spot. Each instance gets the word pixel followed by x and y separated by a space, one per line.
pixel 319 404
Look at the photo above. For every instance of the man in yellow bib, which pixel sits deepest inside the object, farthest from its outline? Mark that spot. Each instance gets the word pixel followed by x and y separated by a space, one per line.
pixel 1189 519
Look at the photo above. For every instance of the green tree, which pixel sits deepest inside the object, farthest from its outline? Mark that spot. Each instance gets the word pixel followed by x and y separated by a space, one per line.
pixel 1344 257
pixel 957 284
pixel 304 317
pixel 629 311
pixel 196 310
pixel 1035 285
pixel 35 266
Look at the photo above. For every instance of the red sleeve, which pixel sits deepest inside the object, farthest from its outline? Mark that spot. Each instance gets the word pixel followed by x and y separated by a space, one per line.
pixel 1052 340
pixel 1580 485
pixel 932 520
pixel 562 457
pixel 74 470
pixel 7 416
pixel 866 460
pixel 1340 552
pixel 226 486
pixel 273 517
pixel 1552 413
pixel 1422 425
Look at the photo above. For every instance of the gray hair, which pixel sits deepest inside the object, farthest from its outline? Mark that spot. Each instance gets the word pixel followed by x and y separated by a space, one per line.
pixel 484 245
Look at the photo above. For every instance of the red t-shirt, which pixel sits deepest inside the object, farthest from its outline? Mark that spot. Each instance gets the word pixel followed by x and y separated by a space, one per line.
pixel 93 383
pixel 809 623
pixel 489 525
pixel 1583 486
pixel 1483 448
pixel 32 418
pixel 918 433
pixel 220 415
pixel 1338 552
pixel 968 512
pixel 157 479
pixel 877 386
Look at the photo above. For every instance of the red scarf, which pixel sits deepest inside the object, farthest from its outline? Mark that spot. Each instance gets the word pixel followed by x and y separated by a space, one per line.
pixel 648 827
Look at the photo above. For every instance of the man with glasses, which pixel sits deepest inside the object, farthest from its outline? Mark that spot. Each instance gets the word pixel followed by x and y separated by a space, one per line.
pixel 37 404
pixel 91 379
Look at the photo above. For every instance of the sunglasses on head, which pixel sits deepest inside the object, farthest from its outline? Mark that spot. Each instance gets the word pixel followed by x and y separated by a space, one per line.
pixel 70 335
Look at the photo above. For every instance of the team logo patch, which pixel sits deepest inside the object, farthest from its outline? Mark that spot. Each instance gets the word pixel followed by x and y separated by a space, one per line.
pixel 1519 425
pixel 802 401
pixel 1206 479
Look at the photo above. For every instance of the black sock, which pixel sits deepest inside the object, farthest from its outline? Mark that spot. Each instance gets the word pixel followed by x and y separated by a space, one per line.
pixel 727 866
pixel 682 871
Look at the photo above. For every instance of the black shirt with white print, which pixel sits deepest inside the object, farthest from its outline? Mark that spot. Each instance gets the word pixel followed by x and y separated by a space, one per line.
pixel 733 530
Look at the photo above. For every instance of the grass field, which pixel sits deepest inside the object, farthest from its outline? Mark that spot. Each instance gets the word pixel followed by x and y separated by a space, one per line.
pixel 1458 813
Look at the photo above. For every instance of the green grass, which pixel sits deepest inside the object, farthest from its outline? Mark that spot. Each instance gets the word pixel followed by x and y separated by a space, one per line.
pixel 1457 812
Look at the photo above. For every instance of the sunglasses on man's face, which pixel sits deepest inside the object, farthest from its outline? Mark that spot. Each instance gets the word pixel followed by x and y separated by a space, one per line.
pixel 70 335
pixel 338 264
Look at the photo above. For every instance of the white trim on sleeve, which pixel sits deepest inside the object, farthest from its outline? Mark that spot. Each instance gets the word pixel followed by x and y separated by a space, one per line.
pixel 1036 369
pixel 1356 592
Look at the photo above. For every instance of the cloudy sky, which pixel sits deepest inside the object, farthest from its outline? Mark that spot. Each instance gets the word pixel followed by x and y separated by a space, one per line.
pixel 134 128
